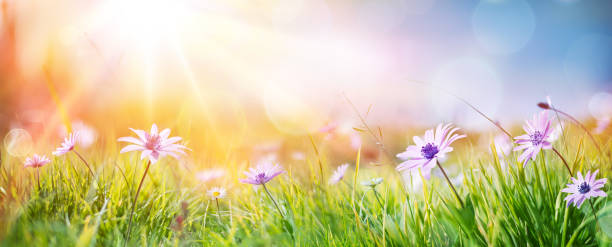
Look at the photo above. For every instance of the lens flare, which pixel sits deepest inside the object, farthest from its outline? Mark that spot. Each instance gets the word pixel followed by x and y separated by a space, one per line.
pixel 18 142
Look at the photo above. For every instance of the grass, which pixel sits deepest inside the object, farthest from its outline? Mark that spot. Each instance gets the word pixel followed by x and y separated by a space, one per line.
pixel 505 205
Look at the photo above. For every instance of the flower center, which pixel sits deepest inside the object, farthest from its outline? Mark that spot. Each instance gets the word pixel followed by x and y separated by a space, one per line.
pixel 153 142
pixel 261 177
pixel 429 151
pixel 537 138
pixel 216 193
pixel 584 188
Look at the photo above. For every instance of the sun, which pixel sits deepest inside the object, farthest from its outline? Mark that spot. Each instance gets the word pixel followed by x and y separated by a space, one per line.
pixel 142 22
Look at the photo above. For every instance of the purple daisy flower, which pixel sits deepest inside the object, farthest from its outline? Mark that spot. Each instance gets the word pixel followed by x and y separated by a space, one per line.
pixel 538 137
pixel 262 173
pixel 429 149
pixel 584 188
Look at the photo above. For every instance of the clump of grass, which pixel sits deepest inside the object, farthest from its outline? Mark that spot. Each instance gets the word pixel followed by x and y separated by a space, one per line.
pixel 505 204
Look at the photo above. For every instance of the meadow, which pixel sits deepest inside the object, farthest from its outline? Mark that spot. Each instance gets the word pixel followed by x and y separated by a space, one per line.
pixel 502 202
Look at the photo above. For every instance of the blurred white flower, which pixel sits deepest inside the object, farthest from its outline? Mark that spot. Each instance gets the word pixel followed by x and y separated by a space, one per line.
pixel 372 182
pixel 217 193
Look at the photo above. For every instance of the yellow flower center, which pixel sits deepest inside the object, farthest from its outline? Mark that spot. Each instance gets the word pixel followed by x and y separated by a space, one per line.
pixel 216 194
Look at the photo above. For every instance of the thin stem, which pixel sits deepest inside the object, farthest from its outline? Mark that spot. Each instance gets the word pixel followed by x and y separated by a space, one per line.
pixel 318 158
pixel 218 210
pixel 135 199
pixel 580 125
pixel 38 178
pixel 450 183
pixel 84 161
pixel 465 102
pixel 564 162
pixel 571 174
pixel 594 213
pixel 378 198
pixel 272 198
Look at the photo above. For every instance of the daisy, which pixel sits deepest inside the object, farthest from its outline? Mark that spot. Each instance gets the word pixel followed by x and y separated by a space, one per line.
pixel 87 134
pixel 67 145
pixel 372 182
pixel 263 173
pixel 217 193
pixel 584 188
pixel 537 137
pixel 338 174
pixel 153 145
pixel 260 175
pixel 430 148
pixel 36 161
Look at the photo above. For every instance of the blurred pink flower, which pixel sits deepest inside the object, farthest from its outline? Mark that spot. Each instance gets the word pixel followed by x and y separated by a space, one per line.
pixel 427 151
pixel 503 145
pixel 86 135
pixel 211 174
pixel 67 145
pixel 36 161
pixel 338 174
pixel 584 188
pixel 602 125
pixel 355 140
pixel 329 130
pixel 262 173
pixel 153 145
pixel 537 137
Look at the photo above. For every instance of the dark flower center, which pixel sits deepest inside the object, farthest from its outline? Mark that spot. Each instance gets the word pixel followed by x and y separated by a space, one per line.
pixel 261 177
pixel 584 188
pixel 429 151
pixel 537 138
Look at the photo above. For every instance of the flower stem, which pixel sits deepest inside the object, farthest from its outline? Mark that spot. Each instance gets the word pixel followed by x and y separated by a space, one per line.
pixel 378 198
pixel 571 174
pixel 579 125
pixel 218 210
pixel 84 161
pixel 450 183
pixel 272 198
pixel 135 199
pixel 564 162
pixel 38 178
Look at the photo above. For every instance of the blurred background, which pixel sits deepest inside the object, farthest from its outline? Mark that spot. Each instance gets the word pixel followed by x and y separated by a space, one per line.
pixel 237 73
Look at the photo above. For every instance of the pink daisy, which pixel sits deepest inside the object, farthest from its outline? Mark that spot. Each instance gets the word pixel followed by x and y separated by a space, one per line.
pixel 538 137
pixel 67 145
pixel 153 145
pixel 262 173
pixel 429 149
pixel 338 174
pixel 36 161
pixel 584 188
